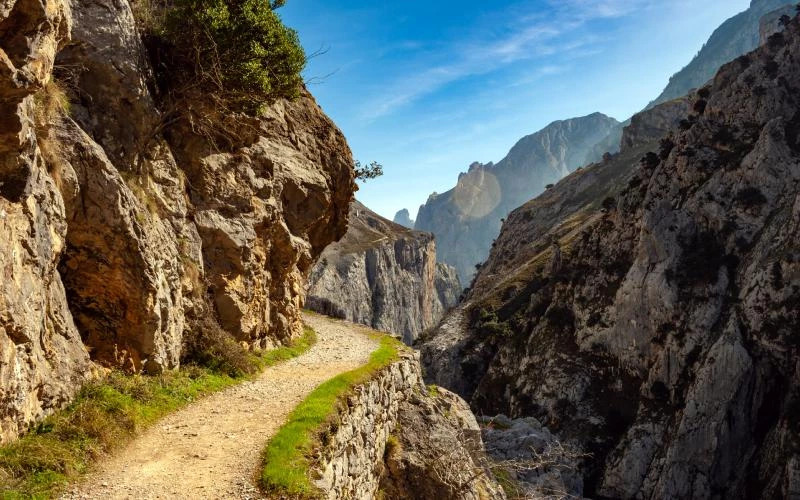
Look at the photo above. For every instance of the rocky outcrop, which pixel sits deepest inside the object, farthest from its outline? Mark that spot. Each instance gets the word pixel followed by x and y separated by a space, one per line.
pixel 736 36
pixel 774 22
pixel 42 358
pixel 454 355
pixel 395 437
pixel 466 219
pixel 121 235
pixel 383 275
pixel 533 458
pixel 657 329
pixel 403 218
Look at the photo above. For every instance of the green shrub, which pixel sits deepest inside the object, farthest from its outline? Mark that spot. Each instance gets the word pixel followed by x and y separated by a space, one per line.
pixel 238 51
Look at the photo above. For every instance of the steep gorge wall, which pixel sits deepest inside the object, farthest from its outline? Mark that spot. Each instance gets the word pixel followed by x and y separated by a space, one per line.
pixel 120 236
pixel 658 328
pixel 383 275
pixel 736 36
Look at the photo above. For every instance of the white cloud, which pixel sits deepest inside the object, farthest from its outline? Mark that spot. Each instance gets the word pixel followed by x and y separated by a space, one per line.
pixel 526 35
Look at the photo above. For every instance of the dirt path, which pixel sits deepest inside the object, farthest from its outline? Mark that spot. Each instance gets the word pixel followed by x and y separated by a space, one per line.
pixel 212 448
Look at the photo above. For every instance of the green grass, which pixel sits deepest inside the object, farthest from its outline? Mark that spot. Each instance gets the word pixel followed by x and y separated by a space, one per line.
pixel 106 415
pixel 286 457
pixel 511 487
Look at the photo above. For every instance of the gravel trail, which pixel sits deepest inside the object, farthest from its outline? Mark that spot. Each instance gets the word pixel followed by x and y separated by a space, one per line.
pixel 212 448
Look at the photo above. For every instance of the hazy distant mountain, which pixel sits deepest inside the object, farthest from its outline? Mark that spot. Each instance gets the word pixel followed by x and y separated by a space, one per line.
pixel 467 218
pixel 403 218
pixel 736 36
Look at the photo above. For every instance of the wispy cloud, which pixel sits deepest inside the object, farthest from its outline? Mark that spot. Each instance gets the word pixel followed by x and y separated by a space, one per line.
pixel 527 34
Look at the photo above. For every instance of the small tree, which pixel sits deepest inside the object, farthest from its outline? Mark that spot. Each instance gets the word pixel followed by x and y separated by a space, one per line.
pixel 236 51
pixel 367 172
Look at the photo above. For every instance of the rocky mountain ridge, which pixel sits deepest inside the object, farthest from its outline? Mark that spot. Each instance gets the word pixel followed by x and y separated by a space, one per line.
pixel 467 218
pixel 383 275
pixel 655 325
pixel 736 36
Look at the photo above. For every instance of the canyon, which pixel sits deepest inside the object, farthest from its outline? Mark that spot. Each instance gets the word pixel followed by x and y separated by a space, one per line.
pixel 466 219
pixel 645 308
pixel 629 326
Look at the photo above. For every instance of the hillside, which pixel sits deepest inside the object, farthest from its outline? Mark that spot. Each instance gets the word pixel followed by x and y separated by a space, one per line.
pixel 654 325
pixel 736 36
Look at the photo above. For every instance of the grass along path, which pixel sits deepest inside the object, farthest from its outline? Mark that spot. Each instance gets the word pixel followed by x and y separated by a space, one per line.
pixel 212 448
pixel 286 463
pixel 109 413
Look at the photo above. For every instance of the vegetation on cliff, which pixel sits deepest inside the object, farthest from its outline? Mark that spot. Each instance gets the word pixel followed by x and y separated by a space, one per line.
pixel 237 51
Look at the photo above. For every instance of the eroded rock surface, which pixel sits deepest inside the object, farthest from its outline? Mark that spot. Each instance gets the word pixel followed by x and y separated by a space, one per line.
pixel 122 228
pixel 42 358
pixel 736 36
pixel 383 275
pixel 657 327
pixel 403 218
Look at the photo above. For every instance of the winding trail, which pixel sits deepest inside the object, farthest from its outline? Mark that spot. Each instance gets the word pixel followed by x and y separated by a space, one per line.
pixel 212 448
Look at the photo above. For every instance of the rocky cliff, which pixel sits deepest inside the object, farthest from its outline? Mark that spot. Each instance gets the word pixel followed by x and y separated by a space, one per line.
pixel 383 275
pixel 736 36
pixel 122 232
pixel 656 327
pixel 466 219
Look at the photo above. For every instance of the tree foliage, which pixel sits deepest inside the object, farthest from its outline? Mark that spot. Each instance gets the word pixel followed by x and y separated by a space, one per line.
pixel 367 172
pixel 238 51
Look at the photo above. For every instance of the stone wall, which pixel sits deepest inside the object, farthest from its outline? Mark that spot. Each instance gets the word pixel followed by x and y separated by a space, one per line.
pixel 352 462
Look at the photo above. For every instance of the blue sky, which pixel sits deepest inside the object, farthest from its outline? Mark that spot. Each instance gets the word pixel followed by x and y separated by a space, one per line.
pixel 427 87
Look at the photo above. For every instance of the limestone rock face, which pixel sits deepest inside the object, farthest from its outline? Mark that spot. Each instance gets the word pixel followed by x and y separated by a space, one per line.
pixel 121 268
pixel 42 358
pixel 438 452
pixel 265 210
pixel 656 327
pixel 120 229
pixel 466 219
pixel 541 466
pixel 456 358
pixel 772 22
pixel 383 275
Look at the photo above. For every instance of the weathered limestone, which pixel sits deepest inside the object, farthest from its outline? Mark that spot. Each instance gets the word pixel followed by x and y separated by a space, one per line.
pixel 42 359
pixel 383 275
pixel 100 223
pixel 467 219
